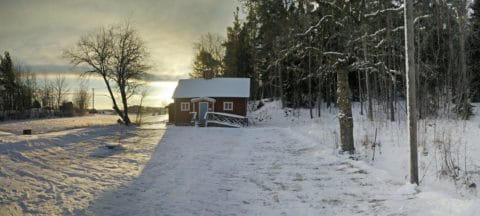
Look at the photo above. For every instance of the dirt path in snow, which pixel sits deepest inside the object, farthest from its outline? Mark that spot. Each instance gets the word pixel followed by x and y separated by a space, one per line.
pixel 59 173
pixel 252 171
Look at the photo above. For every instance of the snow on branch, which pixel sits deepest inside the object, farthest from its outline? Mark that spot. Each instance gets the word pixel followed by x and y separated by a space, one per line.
pixel 330 4
pixel 316 25
pixel 399 9
pixel 421 17
pixel 333 53
pixel 363 65
pixel 374 35
pixel 378 32
pixel 391 72
pixel 380 43
pixel 399 28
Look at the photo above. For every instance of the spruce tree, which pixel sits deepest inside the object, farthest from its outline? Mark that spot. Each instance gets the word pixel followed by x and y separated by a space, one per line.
pixel 8 79
pixel 474 50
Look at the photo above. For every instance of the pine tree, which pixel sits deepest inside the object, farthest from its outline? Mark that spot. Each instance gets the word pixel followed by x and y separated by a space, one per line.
pixel 9 81
pixel 237 61
pixel 474 50
pixel 204 61
pixel 209 53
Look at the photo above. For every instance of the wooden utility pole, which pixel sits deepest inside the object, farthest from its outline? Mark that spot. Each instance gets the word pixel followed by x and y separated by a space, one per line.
pixel 93 99
pixel 411 90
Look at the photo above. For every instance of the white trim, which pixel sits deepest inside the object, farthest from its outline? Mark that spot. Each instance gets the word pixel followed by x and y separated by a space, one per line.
pixel 193 100
pixel 225 106
pixel 185 106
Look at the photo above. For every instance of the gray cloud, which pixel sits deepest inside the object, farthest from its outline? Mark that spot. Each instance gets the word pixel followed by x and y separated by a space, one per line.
pixel 36 32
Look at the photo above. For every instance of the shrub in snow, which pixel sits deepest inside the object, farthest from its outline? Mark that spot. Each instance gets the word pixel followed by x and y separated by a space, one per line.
pixel 464 112
pixel 260 105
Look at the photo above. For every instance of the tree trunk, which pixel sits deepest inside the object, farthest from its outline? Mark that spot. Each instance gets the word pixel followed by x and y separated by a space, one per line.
pixel 345 112
pixel 411 88
pixel 328 96
pixel 319 96
pixel 392 98
pixel 391 81
pixel 115 106
pixel 310 96
pixel 123 94
pixel 367 82
pixel 360 92
pixel 421 97
pixel 463 95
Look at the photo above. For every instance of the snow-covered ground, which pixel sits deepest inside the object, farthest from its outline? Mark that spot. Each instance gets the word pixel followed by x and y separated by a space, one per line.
pixel 284 164
pixel 253 171
pixel 41 126
pixel 65 165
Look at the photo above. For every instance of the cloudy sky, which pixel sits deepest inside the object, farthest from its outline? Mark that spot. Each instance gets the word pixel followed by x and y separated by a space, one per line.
pixel 36 32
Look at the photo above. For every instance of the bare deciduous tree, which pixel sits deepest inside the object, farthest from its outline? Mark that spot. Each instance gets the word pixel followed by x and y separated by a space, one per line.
pixel 139 118
pixel 60 89
pixel 119 56
pixel 81 98
pixel 128 67
pixel 46 93
pixel 96 50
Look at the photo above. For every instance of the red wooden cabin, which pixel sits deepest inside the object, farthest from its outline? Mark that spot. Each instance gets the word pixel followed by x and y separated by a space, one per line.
pixel 197 96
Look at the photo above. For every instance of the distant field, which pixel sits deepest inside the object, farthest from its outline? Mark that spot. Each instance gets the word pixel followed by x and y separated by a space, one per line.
pixel 40 126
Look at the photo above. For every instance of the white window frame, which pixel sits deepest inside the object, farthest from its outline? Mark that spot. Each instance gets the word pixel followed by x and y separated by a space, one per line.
pixel 185 106
pixel 225 106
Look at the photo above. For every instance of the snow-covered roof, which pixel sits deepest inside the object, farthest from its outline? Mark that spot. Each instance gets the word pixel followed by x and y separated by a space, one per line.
pixel 216 87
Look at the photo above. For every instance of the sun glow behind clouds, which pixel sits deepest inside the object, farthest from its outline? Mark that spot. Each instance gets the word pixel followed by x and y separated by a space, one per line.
pixel 37 32
pixel 160 93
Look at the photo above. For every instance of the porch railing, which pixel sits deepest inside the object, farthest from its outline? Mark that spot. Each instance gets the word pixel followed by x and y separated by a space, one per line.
pixel 225 119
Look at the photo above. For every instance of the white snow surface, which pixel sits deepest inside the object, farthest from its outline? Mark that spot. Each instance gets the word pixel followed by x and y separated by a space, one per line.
pixel 65 167
pixel 256 171
pixel 216 87
pixel 285 164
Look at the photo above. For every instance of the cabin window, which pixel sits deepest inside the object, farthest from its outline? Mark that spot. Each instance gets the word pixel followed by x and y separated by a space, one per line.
pixel 185 106
pixel 228 106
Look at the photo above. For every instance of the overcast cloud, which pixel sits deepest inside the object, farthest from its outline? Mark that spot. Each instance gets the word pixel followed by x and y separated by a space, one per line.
pixel 36 32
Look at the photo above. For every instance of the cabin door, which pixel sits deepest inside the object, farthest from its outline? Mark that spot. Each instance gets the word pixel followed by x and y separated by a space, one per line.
pixel 202 109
